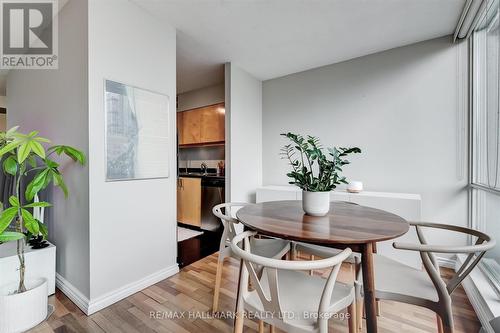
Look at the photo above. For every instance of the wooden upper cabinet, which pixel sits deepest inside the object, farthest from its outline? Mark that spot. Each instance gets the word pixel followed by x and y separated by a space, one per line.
pixel 191 121
pixel 212 124
pixel 179 126
pixel 204 125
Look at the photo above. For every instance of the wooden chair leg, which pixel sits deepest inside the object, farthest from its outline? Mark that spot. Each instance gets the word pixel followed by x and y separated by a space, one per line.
pixel 238 326
pixel 439 324
pixel 447 322
pixel 261 326
pixel 272 329
pixel 359 313
pixel 311 272
pixel 351 310
pixel 378 308
pixel 218 277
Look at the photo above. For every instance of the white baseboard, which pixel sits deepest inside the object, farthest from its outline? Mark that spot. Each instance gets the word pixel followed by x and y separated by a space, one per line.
pixel 91 306
pixel 72 293
pixel 118 294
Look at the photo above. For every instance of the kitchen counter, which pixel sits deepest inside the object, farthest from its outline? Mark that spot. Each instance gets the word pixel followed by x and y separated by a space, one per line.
pixel 197 173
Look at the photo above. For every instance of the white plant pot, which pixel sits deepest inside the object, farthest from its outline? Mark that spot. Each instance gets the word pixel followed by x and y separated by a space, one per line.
pixel 20 312
pixel 316 203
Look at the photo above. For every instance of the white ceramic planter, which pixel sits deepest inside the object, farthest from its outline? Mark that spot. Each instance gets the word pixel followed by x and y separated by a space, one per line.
pixel 20 312
pixel 316 203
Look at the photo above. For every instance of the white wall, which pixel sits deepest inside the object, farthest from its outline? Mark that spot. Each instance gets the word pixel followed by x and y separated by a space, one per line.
pixel 399 106
pixel 55 103
pixel 133 223
pixel 200 97
pixel 3 117
pixel 243 134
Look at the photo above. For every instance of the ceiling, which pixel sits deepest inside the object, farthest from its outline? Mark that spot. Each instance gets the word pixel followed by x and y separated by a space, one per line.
pixel 273 38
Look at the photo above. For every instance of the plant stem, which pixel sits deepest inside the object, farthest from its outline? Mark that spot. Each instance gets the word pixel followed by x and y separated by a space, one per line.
pixel 20 243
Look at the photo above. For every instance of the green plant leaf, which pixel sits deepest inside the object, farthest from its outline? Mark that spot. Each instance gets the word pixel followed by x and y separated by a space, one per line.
pixel 14 201
pixel 58 181
pixel 38 204
pixel 50 163
pixel 11 131
pixel 8 236
pixel 10 165
pixel 40 139
pixel 10 147
pixel 6 218
pixel 43 229
pixel 32 161
pixel 36 184
pixel 73 153
pixel 37 148
pixel 23 151
pixel 30 223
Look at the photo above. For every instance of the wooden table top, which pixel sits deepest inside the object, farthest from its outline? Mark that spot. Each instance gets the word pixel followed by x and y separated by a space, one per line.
pixel 346 223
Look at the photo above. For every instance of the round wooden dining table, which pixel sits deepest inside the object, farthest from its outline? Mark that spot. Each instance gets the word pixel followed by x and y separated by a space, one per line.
pixel 346 225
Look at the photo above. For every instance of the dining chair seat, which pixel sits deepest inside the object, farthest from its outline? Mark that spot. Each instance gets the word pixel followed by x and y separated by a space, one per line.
pixel 270 247
pixel 397 281
pixel 282 295
pixel 299 295
pixel 322 251
pixel 401 283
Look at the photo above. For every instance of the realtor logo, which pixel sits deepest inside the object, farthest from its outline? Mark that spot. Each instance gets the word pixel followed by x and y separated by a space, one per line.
pixel 29 34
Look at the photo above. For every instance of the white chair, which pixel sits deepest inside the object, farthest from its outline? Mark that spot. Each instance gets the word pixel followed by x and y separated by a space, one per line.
pixel 398 282
pixel 272 248
pixel 286 298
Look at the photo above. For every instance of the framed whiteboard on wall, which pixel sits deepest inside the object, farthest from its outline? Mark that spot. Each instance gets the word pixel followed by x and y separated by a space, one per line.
pixel 136 133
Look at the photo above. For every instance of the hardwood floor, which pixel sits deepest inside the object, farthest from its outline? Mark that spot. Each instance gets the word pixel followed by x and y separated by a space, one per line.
pixel 182 304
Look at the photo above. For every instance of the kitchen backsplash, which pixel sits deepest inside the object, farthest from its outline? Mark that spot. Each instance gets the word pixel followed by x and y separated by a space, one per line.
pixel 193 157
pixel 212 164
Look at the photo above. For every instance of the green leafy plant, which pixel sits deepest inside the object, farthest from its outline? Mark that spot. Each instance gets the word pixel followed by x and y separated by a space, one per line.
pixel 25 155
pixel 312 170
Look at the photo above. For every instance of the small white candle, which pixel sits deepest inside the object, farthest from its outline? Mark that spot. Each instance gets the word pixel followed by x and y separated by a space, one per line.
pixel 355 186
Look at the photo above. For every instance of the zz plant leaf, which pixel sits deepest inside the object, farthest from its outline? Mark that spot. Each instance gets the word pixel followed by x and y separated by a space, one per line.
pixel 312 170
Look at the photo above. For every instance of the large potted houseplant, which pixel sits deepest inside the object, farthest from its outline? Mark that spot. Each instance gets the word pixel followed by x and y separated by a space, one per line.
pixel 314 172
pixel 29 162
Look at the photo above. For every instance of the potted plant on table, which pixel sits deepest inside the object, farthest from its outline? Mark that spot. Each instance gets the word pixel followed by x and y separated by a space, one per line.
pixel 24 156
pixel 314 172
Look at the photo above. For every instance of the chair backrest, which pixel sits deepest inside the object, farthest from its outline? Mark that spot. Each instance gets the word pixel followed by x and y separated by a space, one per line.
pixel 271 301
pixel 225 212
pixel 474 254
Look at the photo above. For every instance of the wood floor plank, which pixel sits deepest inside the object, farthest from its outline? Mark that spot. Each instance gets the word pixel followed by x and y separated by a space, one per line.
pixel 190 292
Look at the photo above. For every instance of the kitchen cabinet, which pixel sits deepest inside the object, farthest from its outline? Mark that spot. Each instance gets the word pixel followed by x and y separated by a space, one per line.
pixel 180 130
pixel 202 126
pixel 190 127
pixel 212 124
pixel 189 201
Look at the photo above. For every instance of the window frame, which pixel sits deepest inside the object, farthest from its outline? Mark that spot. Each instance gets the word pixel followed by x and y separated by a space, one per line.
pixel 489 267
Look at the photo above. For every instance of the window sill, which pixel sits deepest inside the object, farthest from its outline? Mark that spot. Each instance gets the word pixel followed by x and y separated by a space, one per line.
pixel 481 294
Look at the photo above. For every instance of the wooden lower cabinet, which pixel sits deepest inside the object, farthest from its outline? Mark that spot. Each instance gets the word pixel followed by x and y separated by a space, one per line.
pixel 189 201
